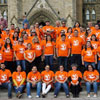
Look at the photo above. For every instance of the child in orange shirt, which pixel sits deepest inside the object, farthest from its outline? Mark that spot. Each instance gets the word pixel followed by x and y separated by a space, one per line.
pixel 91 77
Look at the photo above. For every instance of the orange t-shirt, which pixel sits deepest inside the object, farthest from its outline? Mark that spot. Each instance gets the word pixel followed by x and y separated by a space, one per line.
pixel 96 32
pixel 82 36
pixel 38 49
pixel 2 58
pixel 69 35
pixel 98 51
pixel 29 54
pixel 49 48
pixel 19 50
pixel 91 75
pixel 19 77
pixel 47 76
pixel 8 53
pixel 1 42
pixel 5 75
pixel 63 47
pixel 75 75
pixel 76 45
pixel 95 44
pixel 89 55
pixel 34 76
pixel 26 42
pixel 61 76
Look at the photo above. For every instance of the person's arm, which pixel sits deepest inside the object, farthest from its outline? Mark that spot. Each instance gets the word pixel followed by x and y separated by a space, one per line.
pixel 23 80
pixel 54 51
pixel 15 55
pixel 97 77
pixel 28 80
pixel 33 57
pixel 86 79
pixel 14 81
pixel 69 51
pixel 26 58
pixel 57 52
pixel 51 81
pixel 95 59
pixel 82 60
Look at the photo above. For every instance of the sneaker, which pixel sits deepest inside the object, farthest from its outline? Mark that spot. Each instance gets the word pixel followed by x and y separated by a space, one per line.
pixel 29 96
pixel 95 96
pixel 37 96
pixel 17 93
pixel 43 95
pixel 67 96
pixel 20 95
pixel 55 96
pixel 88 95
pixel 10 97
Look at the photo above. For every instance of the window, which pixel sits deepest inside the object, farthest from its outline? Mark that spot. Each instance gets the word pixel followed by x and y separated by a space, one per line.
pixel 1 1
pixel 93 15
pixel 5 1
pixel 5 15
pixel 87 15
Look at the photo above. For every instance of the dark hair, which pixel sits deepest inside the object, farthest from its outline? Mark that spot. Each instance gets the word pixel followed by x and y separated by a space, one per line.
pixel 14 37
pixel 50 37
pixel 95 37
pixel 0 33
pixel 6 44
pixel 86 45
pixel 91 66
pixel 74 65
pixel 75 24
pixel 69 28
pixel 63 35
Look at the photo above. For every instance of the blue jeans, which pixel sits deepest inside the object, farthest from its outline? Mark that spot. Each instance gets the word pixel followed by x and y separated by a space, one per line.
pixel 58 86
pixel 88 86
pixel 21 63
pixel 20 89
pixel 89 63
pixel 49 61
pixel 9 87
pixel 29 85
pixel 98 66
pixel 63 61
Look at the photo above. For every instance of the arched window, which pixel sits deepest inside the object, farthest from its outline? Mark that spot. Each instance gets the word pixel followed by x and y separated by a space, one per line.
pixel 5 1
pixel 2 1
pixel 5 15
pixel 87 14
pixel 93 14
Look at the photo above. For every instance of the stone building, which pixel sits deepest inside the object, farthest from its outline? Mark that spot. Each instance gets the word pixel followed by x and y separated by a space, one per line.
pixel 42 10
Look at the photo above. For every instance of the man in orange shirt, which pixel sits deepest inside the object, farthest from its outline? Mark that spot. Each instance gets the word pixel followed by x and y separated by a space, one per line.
pixel 76 48
pixel 33 80
pixel 19 53
pixel 61 79
pixel 5 79
pixel 47 79
pixel 63 51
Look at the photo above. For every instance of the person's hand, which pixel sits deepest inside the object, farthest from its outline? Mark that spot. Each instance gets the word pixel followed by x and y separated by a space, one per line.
pixel 54 57
pixel 0 83
pixel 82 63
pixel 33 84
pixel 77 83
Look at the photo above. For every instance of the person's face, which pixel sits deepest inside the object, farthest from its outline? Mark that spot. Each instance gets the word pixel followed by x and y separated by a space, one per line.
pixel 88 45
pixel 19 68
pixel 62 32
pixel 8 41
pixel 20 41
pixel 25 36
pixel 34 69
pixel 74 68
pixel 31 27
pixel 61 68
pixel 29 46
pixel 77 24
pixel 1 27
pixel 12 27
pixel 47 68
pixel 90 68
pixel 48 38
pixel 25 26
pixel 63 24
pixel 2 66
pixel 89 30
pixel 70 30
pixel 33 33
pixel 89 24
pixel 93 38
pixel 63 38
pixel 47 23
pixel 7 31
pixel 15 34
pixel 35 40
pixel 37 25
pixel 57 23
pixel 96 27
pixel 75 33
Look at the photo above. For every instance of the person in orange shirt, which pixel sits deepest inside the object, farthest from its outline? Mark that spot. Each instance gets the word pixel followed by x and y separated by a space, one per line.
pixel 34 80
pixel 63 27
pixel 88 34
pixel 75 78
pixel 8 54
pixel 49 51
pixel 90 25
pixel 63 52
pixel 29 56
pixel 5 79
pixel 94 42
pixel 61 78
pixel 91 77
pixel 89 55
pixel 76 47
pixel 76 26
pixel 12 30
pixel 69 33
pixel 38 51
pixel 19 54
pixel 19 78
pixel 47 80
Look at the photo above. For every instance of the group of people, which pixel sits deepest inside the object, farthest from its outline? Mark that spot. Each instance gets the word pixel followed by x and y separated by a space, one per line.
pixel 22 50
